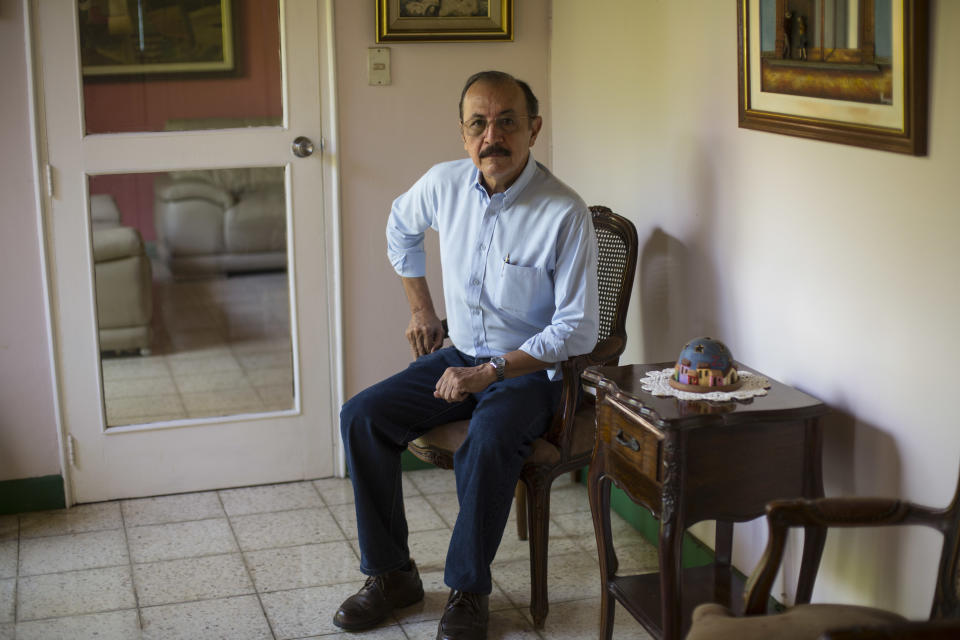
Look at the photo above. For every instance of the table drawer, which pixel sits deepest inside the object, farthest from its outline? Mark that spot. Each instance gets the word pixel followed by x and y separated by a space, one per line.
pixel 629 438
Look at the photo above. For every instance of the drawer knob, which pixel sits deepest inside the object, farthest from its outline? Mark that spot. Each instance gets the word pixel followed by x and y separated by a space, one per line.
pixel 627 441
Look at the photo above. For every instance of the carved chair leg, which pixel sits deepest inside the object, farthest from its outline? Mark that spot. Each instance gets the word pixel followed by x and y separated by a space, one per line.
pixel 520 493
pixel 539 525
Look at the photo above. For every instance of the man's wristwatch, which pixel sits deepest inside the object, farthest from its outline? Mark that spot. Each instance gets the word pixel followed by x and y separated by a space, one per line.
pixel 499 364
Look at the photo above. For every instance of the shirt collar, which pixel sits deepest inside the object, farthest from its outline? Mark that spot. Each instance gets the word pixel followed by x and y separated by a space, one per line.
pixel 518 185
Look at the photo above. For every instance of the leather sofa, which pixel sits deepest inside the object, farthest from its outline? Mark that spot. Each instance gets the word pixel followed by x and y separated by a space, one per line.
pixel 215 221
pixel 123 280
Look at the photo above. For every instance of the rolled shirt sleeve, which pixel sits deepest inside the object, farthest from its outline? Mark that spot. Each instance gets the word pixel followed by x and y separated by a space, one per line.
pixel 410 216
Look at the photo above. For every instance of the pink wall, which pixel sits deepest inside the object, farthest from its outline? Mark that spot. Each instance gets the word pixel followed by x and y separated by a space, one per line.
pixel 389 136
pixel 147 105
pixel 28 435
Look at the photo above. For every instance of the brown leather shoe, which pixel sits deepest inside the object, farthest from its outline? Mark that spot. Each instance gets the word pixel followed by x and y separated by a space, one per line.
pixel 465 617
pixel 379 596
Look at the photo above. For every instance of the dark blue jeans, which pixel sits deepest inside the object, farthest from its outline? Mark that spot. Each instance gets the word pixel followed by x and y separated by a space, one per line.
pixel 377 424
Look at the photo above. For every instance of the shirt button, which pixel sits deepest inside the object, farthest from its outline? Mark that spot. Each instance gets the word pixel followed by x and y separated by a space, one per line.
pixel 482 247
pixel 476 282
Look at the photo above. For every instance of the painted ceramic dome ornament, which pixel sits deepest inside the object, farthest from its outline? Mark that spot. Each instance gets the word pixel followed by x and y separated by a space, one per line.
pixel 704 365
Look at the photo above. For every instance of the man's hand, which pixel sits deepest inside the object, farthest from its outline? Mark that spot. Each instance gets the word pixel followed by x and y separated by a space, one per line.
pixel 457 383
pixel 424 333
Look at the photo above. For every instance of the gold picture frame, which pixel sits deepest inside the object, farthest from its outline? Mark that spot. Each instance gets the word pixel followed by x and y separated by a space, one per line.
pixel 796 81
pixel 156 38
pixel 444 20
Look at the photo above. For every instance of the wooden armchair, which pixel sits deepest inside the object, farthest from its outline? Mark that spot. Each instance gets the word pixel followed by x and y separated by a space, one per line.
pixel 568 443
pixel 833 621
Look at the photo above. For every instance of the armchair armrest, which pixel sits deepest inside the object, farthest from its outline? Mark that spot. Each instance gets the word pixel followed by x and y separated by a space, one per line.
pixel 170 190
pixel 824 513
pixel 607 351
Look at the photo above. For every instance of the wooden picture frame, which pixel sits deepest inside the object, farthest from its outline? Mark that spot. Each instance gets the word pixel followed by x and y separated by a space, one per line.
pixel 156 38
pixel 444 20
pixel 866 86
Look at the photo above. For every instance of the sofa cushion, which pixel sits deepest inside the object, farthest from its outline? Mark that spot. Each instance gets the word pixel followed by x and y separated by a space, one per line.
pixel 170 190
pixel 104 211
pixel 115 243
pixel 256 223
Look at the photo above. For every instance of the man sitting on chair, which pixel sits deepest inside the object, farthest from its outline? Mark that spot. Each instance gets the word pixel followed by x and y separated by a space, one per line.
pixel 519 254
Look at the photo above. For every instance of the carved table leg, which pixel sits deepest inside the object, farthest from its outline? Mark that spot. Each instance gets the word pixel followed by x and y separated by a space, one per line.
pixel 599 493
pixel 671 545
pixel 814 538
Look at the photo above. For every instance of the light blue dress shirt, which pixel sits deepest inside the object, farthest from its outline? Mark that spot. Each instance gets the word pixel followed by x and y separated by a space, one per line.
pixel 519 267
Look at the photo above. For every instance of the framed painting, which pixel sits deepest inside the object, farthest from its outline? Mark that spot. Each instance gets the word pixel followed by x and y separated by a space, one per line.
pixel 846 71
pixel 144 37
pixel 444 20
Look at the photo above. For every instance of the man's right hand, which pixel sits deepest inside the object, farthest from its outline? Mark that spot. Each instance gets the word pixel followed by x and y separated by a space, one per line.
pixel 424 333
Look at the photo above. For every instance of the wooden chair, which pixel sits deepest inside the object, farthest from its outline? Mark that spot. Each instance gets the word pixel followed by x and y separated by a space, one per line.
pixel 833 621
pixel 568 442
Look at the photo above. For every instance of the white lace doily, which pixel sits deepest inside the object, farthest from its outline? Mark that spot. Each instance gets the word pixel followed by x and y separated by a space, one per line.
pixel 655 382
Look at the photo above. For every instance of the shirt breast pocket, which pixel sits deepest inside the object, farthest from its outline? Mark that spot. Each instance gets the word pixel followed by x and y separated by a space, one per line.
pixel 524 291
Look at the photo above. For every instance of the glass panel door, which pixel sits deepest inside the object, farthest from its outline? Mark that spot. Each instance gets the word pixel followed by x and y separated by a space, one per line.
pixel 157 65
pixel 183 231
pixel 193 304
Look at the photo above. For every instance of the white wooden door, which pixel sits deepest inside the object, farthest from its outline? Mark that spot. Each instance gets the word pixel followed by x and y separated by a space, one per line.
pixel 111 457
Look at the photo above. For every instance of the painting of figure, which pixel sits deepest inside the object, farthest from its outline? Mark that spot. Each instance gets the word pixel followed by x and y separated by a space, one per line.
pixel 444 8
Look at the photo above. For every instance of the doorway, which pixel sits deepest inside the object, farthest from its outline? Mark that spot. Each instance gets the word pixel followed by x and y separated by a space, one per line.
pixel 191 242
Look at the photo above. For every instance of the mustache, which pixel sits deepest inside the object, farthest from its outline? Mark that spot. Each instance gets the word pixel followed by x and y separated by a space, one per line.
pixel 494 149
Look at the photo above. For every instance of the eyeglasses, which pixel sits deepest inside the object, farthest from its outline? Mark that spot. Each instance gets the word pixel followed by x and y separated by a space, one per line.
pixel 477 126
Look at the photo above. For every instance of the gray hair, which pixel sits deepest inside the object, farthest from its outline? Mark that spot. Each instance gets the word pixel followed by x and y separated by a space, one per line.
pixel 500 77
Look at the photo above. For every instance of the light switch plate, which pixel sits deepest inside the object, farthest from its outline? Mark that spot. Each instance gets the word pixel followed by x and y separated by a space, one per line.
pixel 378 66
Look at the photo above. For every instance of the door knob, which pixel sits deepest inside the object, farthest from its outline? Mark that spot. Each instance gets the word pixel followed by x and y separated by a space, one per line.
pixel 302 147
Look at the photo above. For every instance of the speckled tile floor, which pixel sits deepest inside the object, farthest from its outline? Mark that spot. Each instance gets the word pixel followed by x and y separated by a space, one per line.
pixel 273 562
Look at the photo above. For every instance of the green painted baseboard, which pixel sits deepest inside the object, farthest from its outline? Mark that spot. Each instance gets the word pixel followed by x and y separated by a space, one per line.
pixel 694 553
pixel 31 494
pixel 410 462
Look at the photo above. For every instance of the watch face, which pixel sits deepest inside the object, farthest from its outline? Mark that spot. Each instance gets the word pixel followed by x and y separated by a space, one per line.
pixel 500 363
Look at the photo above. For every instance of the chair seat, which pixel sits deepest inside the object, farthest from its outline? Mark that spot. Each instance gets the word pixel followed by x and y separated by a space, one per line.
pixel 802 622
pixel 441 442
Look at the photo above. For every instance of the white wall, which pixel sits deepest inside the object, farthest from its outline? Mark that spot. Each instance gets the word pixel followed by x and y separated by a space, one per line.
pixel 389 136
pixel 828 267
pixel 28 439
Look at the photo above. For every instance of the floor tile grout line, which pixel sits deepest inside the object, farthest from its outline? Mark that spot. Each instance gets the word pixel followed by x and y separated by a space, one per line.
pixel 330 511
pixel 76 615
pixel 56 573
pixel 133 582
pixel 183 405
pixel 246 566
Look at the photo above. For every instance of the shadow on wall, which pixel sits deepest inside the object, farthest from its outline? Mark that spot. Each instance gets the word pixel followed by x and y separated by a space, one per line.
pixel 864 561
pixel 662 264
pixel 679 276
pixel 678 297
pixel 857 455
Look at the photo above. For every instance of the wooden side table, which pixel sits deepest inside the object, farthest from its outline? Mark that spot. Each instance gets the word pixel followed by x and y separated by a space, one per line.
pixel 688 461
